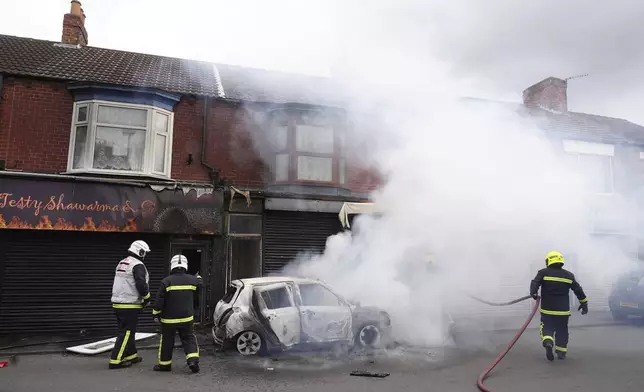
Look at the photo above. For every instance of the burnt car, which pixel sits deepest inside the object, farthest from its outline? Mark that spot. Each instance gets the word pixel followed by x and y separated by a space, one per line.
pixel 262 315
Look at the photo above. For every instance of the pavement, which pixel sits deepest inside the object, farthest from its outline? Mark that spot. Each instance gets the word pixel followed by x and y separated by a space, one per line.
pixel 601 358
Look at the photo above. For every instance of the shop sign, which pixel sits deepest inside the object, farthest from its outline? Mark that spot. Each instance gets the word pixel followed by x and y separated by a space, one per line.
pixel 85 206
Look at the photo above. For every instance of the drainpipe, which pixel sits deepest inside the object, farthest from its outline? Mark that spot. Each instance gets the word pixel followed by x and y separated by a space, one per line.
pixel 214 172
pixel 1 85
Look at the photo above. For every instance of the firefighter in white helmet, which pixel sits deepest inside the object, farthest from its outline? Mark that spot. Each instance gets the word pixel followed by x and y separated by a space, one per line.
pixel 130 294
pixel 174 308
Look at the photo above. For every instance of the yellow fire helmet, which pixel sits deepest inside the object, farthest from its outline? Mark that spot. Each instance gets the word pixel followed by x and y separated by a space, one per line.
pixel 554 258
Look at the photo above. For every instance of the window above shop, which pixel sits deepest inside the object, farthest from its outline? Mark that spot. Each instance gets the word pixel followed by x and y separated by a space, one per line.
pixel 120 139
pixel 308 148
pixel 594 163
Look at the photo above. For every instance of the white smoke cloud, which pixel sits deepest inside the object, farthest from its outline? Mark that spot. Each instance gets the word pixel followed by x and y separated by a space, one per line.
pixel 474 184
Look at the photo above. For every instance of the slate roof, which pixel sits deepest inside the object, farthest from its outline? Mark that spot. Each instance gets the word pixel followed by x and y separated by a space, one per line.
pixel 51 60
pixel 259 85
pixel 575 125
pixel 46 59
pixel 587 127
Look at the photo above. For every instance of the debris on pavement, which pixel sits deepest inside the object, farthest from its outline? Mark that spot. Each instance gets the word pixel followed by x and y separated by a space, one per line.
pixel 363 373
pixel 3 364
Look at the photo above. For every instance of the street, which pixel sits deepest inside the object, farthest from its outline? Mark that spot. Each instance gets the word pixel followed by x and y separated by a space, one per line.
pixel 600 359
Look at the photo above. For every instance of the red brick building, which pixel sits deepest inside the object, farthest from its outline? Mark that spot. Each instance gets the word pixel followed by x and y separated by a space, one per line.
pixel 239 169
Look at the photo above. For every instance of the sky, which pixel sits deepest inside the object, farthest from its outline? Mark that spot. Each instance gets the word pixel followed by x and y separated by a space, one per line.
pixel 505 45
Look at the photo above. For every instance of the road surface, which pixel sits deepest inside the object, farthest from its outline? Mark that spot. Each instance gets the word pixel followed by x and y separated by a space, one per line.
pixel 605 358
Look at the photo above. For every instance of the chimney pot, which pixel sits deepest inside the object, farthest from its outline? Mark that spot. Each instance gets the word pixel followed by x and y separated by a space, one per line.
pixel 550 93
pixel 76 8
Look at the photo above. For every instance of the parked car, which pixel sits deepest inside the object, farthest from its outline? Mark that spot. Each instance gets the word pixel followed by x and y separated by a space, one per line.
pixel 262 315
pixel 627 295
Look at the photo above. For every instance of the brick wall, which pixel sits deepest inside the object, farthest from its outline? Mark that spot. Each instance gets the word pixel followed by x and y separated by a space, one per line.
pixel 35 125
pixel 35 122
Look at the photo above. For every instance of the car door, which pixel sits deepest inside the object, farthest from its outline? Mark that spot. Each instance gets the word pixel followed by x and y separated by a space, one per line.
pixel 276 303
pixel 325 316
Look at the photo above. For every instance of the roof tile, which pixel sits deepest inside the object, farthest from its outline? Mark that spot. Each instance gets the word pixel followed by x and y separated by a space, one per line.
pixel 45 59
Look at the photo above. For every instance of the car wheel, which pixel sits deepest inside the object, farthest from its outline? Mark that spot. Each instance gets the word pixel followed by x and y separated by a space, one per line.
pixel 618 316
pixel 250 343
pixel 368 336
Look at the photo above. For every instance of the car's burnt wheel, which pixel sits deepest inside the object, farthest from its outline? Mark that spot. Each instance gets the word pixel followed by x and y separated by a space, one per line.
pixel 368 336
pixel 250 343
pixel 618 316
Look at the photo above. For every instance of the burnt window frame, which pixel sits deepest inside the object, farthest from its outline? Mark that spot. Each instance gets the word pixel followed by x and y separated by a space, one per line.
pixel 291 119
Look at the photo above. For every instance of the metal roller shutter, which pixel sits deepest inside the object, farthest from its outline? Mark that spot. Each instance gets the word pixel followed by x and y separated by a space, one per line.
pixel 287 233
pixel 61 282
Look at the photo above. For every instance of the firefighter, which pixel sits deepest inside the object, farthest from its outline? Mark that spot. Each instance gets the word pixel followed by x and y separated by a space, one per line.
pixel 130 294
pixel 556 283
pixel 174 308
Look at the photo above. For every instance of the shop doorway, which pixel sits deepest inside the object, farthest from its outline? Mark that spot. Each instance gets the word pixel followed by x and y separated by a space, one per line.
pixel 197 255
pixel 245 257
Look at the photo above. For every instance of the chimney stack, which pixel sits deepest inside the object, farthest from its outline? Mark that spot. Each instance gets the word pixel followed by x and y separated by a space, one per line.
pixel 74 32
pixel 550 93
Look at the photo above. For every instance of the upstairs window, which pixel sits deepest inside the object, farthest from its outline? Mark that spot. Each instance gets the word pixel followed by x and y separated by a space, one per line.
pixel 308 149
pixel 121 139
pixel 594 163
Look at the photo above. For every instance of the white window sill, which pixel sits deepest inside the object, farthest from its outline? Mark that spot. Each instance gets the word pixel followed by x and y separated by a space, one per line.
pixel 117 173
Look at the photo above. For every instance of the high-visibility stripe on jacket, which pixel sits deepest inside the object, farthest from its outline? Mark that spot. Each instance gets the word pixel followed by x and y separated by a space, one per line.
pixel 556 284
pixel 177 298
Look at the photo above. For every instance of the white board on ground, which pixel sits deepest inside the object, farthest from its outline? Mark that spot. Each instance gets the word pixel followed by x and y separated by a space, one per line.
pixel 104 345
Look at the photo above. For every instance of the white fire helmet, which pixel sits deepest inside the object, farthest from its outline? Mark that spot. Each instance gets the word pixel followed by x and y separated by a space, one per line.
pixel 139 248
pixel 179 261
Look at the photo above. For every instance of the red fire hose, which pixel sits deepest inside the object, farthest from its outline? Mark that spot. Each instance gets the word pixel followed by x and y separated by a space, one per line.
pixel 484 375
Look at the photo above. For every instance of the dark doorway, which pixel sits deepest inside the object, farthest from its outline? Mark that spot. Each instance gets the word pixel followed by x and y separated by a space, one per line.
pixel 245 258
pixel 194 260
pixel 197 255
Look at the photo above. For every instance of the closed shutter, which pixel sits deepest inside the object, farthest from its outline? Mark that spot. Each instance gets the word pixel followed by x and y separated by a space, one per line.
pixel 61 282
pixel 287 233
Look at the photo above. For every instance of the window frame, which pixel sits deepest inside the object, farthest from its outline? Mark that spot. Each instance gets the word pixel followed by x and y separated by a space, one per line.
pixel 611 191
pixel 341 301
pixel 150 138
pixel 339 172
pixel 577 148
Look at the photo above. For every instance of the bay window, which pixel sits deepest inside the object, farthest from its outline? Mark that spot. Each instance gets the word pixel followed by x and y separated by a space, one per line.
pixel 120 138
pixel 308 149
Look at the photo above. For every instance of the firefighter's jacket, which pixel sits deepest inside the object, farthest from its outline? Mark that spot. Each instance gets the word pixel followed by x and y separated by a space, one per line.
pixel 130 288
pixel 177 298
pixel 556 283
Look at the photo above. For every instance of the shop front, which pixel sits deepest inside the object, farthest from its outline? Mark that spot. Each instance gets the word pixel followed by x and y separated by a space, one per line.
pixel 292 227
pixel 61 239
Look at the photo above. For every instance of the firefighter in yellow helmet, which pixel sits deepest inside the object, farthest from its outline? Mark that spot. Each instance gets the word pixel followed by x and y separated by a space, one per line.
pixel 556 283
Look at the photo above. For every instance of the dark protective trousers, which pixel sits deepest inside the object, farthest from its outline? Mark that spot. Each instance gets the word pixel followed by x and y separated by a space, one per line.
pixel 555 328
pixel 125 346
pixel 188 341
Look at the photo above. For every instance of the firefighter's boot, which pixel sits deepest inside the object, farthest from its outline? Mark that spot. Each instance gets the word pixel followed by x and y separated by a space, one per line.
pixel 162 368
pixel 549 346
pixel 122 365
pixel 561 355
pixel 193 365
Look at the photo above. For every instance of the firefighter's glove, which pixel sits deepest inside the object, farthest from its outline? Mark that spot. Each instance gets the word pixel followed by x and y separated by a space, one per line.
pixel 146 302
pixel 584 308
pixel 535 296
